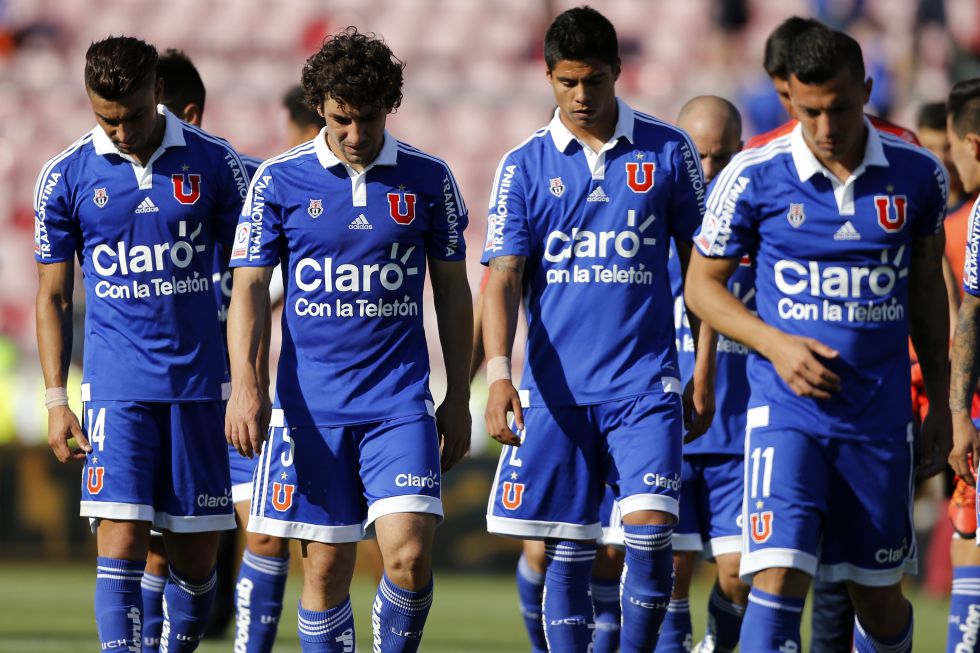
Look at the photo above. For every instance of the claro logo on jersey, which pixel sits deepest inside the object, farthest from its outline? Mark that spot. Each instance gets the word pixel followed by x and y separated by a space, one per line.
pixel 329 276
pixel 122 259
pixel 582 256
pixel 852 293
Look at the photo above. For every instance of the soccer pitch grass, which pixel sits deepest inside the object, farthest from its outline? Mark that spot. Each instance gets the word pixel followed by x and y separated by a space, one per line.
pixel 46 607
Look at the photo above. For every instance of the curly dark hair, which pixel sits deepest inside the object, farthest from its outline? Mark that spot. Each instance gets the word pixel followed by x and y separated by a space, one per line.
pixel 358 70
pixel 118 65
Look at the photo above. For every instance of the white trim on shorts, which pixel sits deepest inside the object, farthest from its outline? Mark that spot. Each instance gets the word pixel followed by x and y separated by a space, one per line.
pixel 194 523
pixel 303 531
pixel 870 577
pixel 413 503
pixel 776 558
pixel 688 542
pixel 539 530
pixel 612 537
pixel 724 545
pixel 116 511
pixel 241 492
pixel 638 502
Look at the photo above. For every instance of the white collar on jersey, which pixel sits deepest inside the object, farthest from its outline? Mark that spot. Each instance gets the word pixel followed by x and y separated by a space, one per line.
pixel 807 164
pixel 173 136
pixel 387 156
pixel 624 127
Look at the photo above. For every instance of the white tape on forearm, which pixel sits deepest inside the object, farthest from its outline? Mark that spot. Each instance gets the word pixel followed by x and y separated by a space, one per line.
pixel 55 397
pixel 498 368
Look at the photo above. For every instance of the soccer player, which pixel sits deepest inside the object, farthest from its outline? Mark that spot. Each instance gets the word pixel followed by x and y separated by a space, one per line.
pixel 964 138
pixel 257 593
pixel 580 220
pixel 143 200
pixel 302 122
pixel 779 45
pixel 711 477
pixel 844 224
pixel 355 216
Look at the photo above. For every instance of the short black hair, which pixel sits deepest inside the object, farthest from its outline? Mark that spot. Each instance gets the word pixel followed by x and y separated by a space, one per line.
pixel 182 83
pixel 118 65
pixel 963 106
pixel 932 116
pixel 779 42
pixel 357 70
pixel 820 53
pixel 299 109
pixel 581 34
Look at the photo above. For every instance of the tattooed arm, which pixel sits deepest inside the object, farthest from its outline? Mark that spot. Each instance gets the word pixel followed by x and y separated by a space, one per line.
pixel 929 329
pixel 501 301
pixel 966 369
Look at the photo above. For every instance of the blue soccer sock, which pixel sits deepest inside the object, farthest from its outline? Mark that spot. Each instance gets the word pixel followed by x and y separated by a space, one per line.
pixel 119 603
pixel 648 580
pixel 608 615
pixel 258 601
pixel 865 642
pixel 530 592
pixel 152 589
pixel 399 616
pixel 964 611
pixel 724 623
pixel 186 606
pixel 329 631
pixel 771 623
pixel 567 604
pixel 676 634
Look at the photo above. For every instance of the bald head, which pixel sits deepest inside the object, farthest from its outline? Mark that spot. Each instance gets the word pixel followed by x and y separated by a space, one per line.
pixel 715 126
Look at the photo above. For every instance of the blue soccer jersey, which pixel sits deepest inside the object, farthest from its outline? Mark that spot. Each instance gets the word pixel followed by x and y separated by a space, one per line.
pixel 595 230
pixel 971 262
pixel 832 263
pixel 726 434
pixel 353 249
pixel 145 238
pixel 222 273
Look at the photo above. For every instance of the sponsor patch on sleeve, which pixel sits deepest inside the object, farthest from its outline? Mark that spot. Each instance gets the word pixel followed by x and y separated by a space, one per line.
pixel 240 249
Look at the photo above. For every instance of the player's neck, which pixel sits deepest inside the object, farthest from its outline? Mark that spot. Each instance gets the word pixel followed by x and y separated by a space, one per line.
pixel 597 135
pixel 844 166
pixel 145 153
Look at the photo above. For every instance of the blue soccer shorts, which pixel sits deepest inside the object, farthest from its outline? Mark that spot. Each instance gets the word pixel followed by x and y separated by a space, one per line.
pixel 163 463
pixel 329 484
pixel 711 505
pixel 242 471
pixel 552 485
pixel 840 508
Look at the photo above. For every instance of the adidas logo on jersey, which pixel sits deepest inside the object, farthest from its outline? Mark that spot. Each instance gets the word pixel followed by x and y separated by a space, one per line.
pixel 360 222
pixel 598 195
pixel 847 232
pixel 147 206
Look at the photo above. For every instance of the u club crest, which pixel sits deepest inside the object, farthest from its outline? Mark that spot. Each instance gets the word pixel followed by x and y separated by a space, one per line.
pixel 315 209
pixel 556 187
pixel 401 207
pixel 101 197
pixel 796 216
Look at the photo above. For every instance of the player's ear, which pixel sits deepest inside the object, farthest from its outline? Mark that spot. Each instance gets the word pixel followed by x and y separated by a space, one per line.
pixel 158 90
pixel 974 141
pixel 868 85
pixel 193 115
pixel 617 68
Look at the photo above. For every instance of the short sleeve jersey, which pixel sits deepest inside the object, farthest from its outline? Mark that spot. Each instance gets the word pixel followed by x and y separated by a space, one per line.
pixel 222 273
pixel 832 263
pixel 971 258
pixel 595 229
pixel 353 248
pixel 726 435
pixel 145 237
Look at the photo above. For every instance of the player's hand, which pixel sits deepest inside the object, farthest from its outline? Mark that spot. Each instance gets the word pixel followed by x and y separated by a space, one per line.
pixel 504 399
pixel 63 426
pixel 247 419
pixel 966 447
pixel 699 407
pixel 455 425
pixel 797 360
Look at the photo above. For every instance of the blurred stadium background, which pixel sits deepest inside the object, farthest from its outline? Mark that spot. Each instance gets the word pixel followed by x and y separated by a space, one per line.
pixel 474 88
